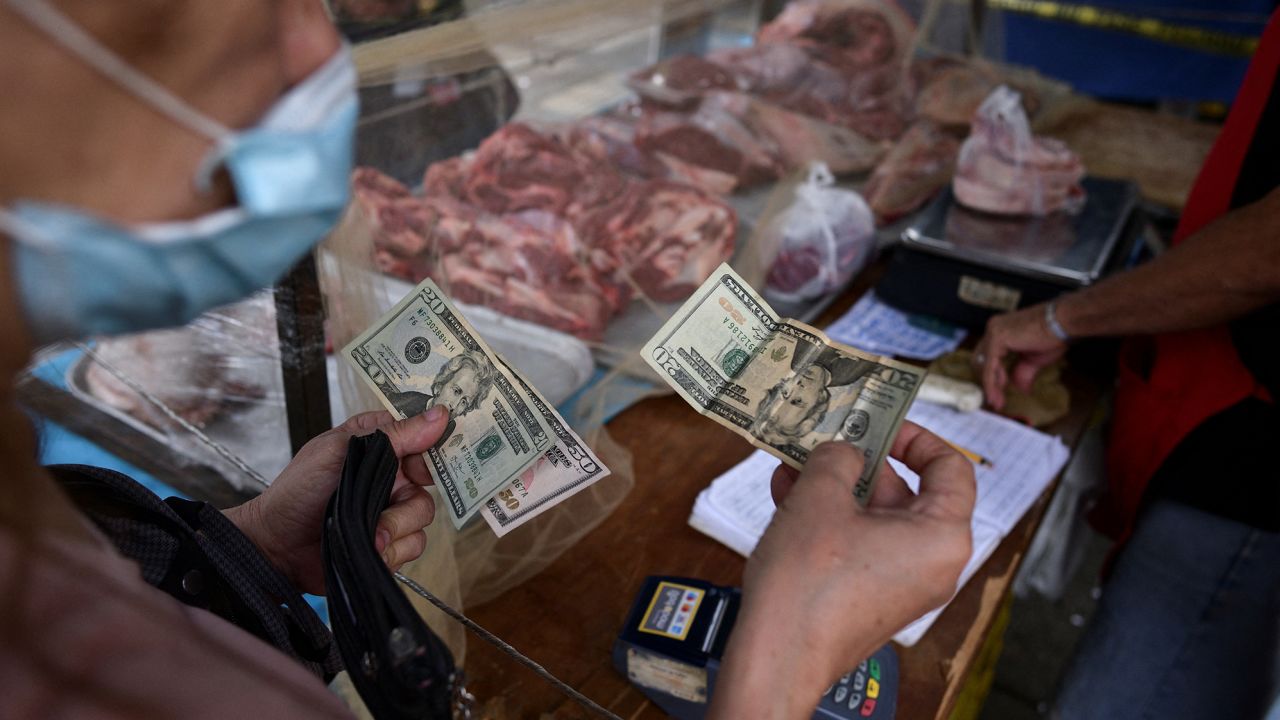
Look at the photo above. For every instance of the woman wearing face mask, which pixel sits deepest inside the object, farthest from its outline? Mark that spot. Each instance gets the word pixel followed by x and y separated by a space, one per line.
pixel 161 158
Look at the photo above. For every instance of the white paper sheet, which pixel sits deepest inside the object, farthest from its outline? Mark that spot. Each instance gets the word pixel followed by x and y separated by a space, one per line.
pixel 876 327
pixel 1023 460
pixel 737 507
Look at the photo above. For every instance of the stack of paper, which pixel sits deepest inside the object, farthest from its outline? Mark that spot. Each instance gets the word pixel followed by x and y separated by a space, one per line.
pixel 737 507
pixel 878 328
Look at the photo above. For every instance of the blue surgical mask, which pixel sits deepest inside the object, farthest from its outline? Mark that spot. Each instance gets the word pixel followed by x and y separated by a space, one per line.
pixel 80 275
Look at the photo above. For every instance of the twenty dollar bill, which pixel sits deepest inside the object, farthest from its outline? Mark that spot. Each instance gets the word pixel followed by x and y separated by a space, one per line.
pixel 780 383
pixel 501 433
pixel 568 467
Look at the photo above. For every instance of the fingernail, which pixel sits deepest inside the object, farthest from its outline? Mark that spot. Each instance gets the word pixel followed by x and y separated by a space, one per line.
pixel 384 539
pixel 435 413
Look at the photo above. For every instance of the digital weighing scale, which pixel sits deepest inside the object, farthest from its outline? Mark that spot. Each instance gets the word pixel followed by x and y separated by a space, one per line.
pixel 964 266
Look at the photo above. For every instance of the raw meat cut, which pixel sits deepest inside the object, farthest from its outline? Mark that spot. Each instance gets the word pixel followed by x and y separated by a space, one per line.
pixel 610 139
pixel 399 220
pixel 753 140
pixel 559 229
pixel 447 178
pixel 519 168
pixel 588 178
pixel 951 90
pixel 664 237
pixel 680 81
pixel 866 32
pixel 802 140
pixel 919 165
pixel 875 100
pixel 529 264
pixel 1004 170
pixel 709 137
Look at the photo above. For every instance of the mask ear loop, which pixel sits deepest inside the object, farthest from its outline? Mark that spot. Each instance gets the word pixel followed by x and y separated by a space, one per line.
pixel 64 31
pixel 19 230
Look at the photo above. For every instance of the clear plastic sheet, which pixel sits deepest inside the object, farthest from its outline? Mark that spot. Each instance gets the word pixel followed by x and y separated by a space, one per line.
pixel 201 407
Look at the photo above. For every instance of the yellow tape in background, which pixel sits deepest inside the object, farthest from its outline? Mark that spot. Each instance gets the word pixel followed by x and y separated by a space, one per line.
pixel 1186 36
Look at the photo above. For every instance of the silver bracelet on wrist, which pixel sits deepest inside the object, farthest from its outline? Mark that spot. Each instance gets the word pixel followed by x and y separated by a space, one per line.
pixel 1051 319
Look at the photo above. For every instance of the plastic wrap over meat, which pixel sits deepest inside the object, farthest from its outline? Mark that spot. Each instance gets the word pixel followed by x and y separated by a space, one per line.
pixel 1003 169
pixel 919 165
pixel 560 233
pixel 221 374
pixel 824 237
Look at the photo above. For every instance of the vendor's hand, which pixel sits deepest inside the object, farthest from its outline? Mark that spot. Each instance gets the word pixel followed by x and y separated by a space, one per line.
pixel 1025 334
pixel 285 520
pixel 830 581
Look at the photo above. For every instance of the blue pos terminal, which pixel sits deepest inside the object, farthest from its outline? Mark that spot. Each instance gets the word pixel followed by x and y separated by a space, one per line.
pixel 675 635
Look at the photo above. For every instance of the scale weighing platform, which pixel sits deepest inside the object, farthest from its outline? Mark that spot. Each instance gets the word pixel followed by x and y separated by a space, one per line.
pixel 964 266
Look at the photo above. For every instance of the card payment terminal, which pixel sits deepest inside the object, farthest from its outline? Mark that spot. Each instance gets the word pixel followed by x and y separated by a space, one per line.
pixel 675 635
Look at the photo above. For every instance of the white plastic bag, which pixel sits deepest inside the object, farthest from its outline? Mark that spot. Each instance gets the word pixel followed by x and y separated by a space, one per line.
pixel 824 237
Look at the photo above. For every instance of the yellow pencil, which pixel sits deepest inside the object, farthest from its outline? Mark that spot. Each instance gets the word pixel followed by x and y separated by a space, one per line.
pixel 973 456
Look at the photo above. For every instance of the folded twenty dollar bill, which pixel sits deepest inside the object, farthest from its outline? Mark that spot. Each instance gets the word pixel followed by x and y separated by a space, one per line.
pixel 780 383
pixel 505 451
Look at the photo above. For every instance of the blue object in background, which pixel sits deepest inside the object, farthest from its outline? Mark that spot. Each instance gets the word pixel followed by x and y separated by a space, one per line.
pixel 1125 66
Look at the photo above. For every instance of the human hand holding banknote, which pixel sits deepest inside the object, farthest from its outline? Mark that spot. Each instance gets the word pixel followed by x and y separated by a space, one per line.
pixel 505 453
pixel 780 383
pixel 831 581
pixel 285 520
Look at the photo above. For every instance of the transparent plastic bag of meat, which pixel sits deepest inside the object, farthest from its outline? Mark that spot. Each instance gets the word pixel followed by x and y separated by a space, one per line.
pixel 1005 170
pixel 823 236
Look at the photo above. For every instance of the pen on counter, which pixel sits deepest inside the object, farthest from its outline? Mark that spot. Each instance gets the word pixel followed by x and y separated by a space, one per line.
pixel 974 457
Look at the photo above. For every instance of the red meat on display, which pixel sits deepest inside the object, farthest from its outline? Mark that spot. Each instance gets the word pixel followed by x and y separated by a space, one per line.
pixel 754 141
pixel 918 166
pixel 665 237
pixel 519 168
pixel 549 228
pixel 866 32
pixel 1003 169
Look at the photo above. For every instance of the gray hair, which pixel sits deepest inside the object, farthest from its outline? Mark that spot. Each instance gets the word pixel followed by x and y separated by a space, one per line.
pixel 766 425
pixel 479 364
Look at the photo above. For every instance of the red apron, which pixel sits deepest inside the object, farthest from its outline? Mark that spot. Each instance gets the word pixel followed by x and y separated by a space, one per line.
pixel 1192 375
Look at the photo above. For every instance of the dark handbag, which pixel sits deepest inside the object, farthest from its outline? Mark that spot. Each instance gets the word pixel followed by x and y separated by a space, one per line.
pixel 400 668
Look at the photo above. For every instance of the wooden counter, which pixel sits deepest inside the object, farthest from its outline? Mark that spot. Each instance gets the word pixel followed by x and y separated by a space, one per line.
pixel 567 617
